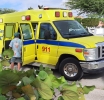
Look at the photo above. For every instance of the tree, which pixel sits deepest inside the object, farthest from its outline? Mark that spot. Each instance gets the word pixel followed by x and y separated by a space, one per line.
pixel 93 15
pixel 6 10
pixel 86 6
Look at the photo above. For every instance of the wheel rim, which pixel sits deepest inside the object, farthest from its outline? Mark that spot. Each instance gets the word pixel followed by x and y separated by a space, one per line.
pixel 70 69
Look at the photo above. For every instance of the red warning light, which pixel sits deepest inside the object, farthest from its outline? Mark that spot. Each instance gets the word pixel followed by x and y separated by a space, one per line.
pixel 57 14
pixel 70 14
pixel 28 17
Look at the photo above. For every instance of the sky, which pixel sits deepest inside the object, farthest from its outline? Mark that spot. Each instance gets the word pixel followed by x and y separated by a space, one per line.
pixel 21 5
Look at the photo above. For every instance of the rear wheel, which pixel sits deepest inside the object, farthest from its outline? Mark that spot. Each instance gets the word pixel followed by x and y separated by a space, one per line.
pixel 70 69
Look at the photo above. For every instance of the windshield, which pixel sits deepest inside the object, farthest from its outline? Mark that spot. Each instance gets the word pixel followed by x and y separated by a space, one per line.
pixel 71 28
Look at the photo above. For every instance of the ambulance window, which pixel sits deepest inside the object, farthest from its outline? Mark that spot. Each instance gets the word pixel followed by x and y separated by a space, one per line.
pixel 71 29
pixel 46 27
pixel 8 31
pixel 26 31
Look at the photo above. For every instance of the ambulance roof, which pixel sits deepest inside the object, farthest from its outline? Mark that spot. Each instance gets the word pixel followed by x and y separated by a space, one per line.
pixel 38 15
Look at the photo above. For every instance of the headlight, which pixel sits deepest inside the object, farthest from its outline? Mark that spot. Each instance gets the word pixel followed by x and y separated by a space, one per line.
pixel 89 54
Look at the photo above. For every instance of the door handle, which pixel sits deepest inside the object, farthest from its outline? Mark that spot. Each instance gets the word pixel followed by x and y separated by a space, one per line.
pixel 37 46
pixel 24 49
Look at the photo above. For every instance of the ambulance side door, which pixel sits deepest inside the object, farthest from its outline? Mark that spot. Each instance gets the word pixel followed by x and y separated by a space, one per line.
pixel 47 48
pixel 9 30
pixel 28 49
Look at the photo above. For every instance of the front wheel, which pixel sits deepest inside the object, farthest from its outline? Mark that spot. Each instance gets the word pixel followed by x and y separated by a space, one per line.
pixel 70 69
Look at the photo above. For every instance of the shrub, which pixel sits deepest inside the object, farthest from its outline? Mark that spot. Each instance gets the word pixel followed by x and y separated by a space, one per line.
pixel 38 84
pixel 90 22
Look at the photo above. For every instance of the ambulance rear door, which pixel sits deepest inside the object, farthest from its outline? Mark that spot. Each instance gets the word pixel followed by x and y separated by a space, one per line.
pixel 9 30
pixel 28 49
pixel 1 37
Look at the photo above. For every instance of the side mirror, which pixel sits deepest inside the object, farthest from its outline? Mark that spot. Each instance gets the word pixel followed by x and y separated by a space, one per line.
pixel 48 35
pixel 54 36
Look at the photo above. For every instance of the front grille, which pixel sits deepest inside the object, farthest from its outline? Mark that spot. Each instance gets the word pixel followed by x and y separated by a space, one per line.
pixel 98 52
pixel 100 47
pixel 102 51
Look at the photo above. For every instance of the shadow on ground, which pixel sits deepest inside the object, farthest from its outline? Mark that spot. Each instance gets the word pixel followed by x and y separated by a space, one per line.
pixel 93 76
pixel 85 76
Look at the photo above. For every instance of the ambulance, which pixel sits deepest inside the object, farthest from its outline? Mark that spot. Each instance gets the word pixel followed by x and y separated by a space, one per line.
pixel 53 38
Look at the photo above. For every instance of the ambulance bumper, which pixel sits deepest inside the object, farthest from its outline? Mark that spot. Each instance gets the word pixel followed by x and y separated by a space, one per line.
pixel 93 67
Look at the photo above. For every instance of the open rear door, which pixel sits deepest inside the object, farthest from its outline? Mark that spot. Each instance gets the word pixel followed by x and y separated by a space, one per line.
pixel 9 30
pixel 27 36
pixel 29 45
pixel 1 37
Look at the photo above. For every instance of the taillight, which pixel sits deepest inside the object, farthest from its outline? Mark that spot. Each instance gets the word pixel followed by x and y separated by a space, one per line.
pixel 57 14
pixel 70 14
pixel 28 17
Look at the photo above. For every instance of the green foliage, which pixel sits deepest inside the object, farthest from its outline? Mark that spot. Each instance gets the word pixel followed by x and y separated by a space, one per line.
pixel 2 97
pixel 21 98
pixel 7 54
pixel 1 67
pixel 8 80
pixel 79 20
pixel 30 72
pixel 87 89
pixel 42 75
pixel 6 10
pixel 5 63
pixel 37 84
pixel 28 90
pixel 69 95
pixel 86 6
pixel 69 92
pixel 44 90
pixel 35 88
pixel 90 22
pixel 26 80
pixel 92 15
pixel 46 69
pixel 56 82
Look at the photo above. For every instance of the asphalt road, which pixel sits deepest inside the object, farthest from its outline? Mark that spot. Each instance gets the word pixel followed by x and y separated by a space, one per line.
pixel 95 79
pixel 98 81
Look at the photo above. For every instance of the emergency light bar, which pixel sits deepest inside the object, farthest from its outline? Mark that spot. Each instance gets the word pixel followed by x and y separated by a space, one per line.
pixel 57 14
pixel 70 14
pixel 50 8
pixel 46 8
pixel 65 14
pixel 28 17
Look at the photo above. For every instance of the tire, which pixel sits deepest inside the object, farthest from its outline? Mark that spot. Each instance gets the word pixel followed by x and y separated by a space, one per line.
pixel 74 65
